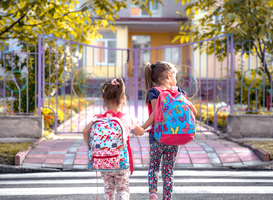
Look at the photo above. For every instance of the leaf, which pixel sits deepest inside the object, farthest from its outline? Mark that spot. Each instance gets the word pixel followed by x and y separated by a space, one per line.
pixel 230 16
pixel 182 39
pixel 113 29
pixel 188 12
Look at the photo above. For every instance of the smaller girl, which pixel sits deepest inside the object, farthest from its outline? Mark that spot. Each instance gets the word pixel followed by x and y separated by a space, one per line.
pixel 161 74
pixel 113 96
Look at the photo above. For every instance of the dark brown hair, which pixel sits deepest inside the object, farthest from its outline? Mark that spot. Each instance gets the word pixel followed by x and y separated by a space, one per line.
pixel 114 91
pixel 154 73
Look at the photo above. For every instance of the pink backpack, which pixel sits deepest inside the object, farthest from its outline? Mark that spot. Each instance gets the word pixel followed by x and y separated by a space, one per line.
pixel 174 122
pixel 107 151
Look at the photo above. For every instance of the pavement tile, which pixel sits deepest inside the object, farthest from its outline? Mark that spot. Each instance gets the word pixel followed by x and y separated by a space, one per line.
pixel 217 164
pixel 70 156
pixel 36 155
pixel 54 161
pixel 249 158
pixel 246 154
pixel 230 159
pixel 202 165
pixel 82 149
pixel 62 156
pixel 137 161
pixel 183 160
pixel 68 162
pixel 183 155
pixel 239 148
pixel 52 166
pixel 206 150
pixel 222 149
pixel 72 150
pixel 197 152
pixel 198 155
pixel 255 162
pixel 212 155
pixel 182 165
pixel 200 160
pixel 80 166
pixel 34 160
pixel 146 160
pixel 231 154
pixel 32 165
pixel 145 155
pixel 215 160
pixel 136 155
pixel 232 164
pixel 81 156
pixel 57 152
pixel 67 167
pixel 138 165
pixel 41 149
pixel 81 153
pixel 80 162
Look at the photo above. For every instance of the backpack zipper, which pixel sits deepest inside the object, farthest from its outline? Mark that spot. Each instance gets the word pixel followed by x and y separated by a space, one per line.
pixel 105 156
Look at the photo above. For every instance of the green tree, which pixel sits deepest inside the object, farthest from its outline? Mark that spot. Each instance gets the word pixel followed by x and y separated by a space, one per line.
pixel 24 19
pixel 67 19
pixel 245 19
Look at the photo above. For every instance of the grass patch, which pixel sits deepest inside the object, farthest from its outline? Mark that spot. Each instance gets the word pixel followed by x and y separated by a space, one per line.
pixel 265 145
pixel 9 150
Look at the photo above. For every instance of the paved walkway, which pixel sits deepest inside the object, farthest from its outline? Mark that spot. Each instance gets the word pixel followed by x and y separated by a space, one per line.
pixel 207 150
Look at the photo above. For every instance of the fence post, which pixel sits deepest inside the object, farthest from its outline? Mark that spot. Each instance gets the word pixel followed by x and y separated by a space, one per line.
pixel 136 81
pixel 232 84
pixel 39 73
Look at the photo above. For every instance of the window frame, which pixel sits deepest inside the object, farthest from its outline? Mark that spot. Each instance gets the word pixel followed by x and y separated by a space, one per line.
pixel 105 51
pixel 147 15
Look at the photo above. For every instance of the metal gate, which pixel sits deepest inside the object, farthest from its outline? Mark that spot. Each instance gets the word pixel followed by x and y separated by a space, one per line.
pixel 72 74
pixel 61 79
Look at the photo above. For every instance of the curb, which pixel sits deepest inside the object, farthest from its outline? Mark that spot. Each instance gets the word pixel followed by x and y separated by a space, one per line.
pixel 21 155
pixel 20 169
pixel 265 166
pixel 262 154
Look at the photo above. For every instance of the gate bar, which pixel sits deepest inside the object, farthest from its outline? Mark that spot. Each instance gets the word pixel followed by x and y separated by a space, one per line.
pixel 136 82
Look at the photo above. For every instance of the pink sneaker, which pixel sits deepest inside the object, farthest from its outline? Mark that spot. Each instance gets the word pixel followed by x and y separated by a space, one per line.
pixel 153 196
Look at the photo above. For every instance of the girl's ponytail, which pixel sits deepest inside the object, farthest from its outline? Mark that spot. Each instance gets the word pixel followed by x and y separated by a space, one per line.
pixel 148 79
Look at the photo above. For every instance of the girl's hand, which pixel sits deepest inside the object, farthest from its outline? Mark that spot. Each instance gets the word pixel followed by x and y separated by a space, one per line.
pixel 138 130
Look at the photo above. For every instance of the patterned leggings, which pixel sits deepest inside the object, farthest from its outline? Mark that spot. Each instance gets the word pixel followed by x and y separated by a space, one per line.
pixel 116 180
pixel 169 153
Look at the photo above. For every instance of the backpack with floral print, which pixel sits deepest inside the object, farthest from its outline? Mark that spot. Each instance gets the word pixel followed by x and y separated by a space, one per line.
pixel 174 122
pixel 107 150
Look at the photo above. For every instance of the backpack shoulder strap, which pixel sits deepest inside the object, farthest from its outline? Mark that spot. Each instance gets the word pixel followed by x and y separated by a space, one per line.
pixel 99 115
pixel 174 88
pixel 118 115
pixel 158 88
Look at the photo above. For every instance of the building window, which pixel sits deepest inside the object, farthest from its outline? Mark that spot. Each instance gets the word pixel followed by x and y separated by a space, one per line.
pixel 172 55
pixel 155 9
pixel 107 56
pixel 142 41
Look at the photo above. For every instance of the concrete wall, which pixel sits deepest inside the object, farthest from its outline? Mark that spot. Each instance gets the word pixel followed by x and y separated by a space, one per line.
pixel 250 125
pixel 21 126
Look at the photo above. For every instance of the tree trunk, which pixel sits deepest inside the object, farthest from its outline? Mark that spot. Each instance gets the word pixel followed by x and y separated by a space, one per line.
pixel 266 68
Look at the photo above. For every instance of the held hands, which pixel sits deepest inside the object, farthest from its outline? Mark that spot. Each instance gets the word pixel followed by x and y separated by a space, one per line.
pixel 138 131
